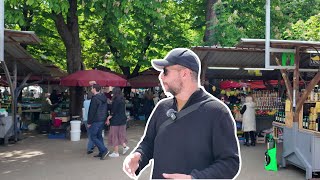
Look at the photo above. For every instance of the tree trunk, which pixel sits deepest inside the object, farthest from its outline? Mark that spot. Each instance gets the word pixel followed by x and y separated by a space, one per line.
pixel 211 19
pixel 69 33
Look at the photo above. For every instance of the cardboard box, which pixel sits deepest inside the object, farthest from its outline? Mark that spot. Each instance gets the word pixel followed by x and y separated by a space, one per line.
pixel 261 140
pixel 64 119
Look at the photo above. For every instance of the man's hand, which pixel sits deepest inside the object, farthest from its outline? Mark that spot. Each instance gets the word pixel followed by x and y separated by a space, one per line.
pixel 131 164
pixel 88 125
pixel 107 122
pixel 176 176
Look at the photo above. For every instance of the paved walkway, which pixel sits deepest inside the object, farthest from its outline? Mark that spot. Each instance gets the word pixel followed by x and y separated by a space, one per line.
pixel 40 158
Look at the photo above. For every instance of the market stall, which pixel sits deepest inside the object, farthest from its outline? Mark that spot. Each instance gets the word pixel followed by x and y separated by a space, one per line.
pixel 301 146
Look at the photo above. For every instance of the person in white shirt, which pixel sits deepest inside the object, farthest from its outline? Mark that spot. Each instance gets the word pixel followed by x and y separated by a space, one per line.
pixel 86 105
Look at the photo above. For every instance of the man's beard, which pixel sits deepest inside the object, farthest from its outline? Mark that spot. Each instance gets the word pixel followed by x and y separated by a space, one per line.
pixel 174 90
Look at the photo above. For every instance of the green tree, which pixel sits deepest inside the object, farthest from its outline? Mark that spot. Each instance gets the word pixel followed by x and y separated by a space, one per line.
pixel 65 17
pixel 307 31
pixel 134 32
pixel 246 18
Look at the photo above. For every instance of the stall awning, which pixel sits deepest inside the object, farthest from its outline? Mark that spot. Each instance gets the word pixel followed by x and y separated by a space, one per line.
pixel 240 58
pixel 13 50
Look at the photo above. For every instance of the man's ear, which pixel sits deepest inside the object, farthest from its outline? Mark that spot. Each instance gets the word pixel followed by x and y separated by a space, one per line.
pixel 185 72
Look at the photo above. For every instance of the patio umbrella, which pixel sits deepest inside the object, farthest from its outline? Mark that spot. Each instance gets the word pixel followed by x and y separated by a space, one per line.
pixel 146 79
pixel 256 84
pixel 229 84
pixel 82 78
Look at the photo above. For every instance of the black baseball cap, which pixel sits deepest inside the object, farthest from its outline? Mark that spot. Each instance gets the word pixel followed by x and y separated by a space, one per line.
pixel 178 56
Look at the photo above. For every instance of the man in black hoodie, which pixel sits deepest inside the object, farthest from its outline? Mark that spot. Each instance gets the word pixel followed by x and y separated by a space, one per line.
pixel 200 144
pixel 97 115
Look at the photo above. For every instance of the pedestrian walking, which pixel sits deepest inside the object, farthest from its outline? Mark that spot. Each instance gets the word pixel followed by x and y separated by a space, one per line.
pixel 96 117
pixel 117 121
pixel 86 105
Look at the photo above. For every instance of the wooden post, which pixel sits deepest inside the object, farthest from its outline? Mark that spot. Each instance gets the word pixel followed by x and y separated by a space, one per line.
pixel 13 99
pixel 307 91
pixel 296 85
pixel 204 66
pixel 286 81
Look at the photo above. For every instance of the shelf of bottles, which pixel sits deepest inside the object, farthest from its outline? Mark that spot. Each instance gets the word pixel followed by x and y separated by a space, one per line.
pixel 311 114
pixel 267 100
pixel 311 117
pixel 314 95
pixel 280 116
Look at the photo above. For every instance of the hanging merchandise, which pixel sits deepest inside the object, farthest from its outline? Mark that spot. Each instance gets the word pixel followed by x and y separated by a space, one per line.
pixel 314 60
pixel 287 59
pixel 214 88
pixel 271 155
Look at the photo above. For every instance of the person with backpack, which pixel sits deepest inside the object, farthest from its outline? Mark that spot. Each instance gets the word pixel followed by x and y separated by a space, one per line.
pixel 189 135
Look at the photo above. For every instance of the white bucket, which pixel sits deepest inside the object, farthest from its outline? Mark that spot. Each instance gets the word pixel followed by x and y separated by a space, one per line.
pixel 75 135
pixel 75 125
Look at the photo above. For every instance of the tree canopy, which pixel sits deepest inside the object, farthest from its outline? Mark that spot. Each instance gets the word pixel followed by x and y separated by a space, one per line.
pixel 125 35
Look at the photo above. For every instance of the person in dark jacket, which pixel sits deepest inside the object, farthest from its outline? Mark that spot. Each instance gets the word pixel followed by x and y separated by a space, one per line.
pixel 200 145
pixel 96 118
pixel 148 104
pixel 117 120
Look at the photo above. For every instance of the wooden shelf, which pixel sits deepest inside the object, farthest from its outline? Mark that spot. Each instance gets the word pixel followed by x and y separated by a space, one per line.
pixel 311 102
pixel 317 133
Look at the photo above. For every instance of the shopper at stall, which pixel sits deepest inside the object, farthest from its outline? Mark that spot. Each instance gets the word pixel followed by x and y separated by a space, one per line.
pixel 86 105
pixel 191 135
pixel 249 120
pixel 96 117
pixel 46 106
pixel 54 97
pixel 148 104
pixel 117 121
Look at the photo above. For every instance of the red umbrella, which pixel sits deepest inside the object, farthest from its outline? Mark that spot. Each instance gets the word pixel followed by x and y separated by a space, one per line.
pixel 256 84
pixel 229 84
pixel 82 78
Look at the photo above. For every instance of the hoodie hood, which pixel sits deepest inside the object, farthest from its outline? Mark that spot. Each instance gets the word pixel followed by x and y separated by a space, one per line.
pixel 101 97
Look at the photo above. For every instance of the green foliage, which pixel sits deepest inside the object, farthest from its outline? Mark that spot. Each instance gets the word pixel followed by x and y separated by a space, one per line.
pixel 307 31
pixel 136 31
pixel 132 32
pixel 52 49
pixel 246 18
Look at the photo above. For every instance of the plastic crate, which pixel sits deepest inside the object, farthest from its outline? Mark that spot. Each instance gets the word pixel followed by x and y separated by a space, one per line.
pixel 57 136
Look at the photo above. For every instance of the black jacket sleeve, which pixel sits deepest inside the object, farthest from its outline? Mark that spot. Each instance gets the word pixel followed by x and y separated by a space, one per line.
pixel 94 104
pixel 224 149
pixel 243 109
pixel 145 148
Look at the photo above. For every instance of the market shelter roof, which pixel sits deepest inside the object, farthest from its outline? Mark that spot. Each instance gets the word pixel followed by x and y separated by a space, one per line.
pixel 232 62
pixel 288 44
pixel 240 62
pixel 13 50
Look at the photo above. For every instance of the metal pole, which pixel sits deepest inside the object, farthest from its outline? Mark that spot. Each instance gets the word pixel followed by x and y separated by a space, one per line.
pixel 1 30
pixel 267 41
